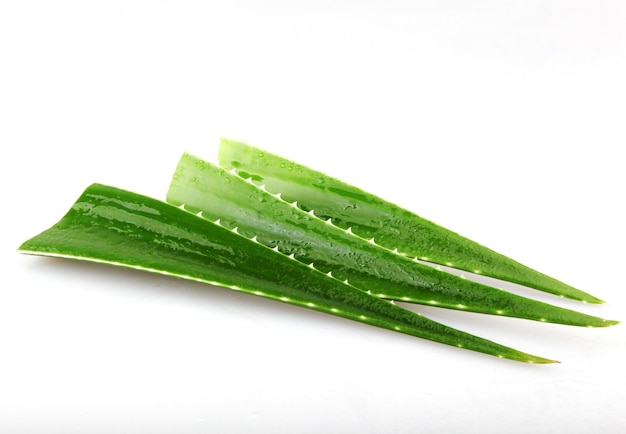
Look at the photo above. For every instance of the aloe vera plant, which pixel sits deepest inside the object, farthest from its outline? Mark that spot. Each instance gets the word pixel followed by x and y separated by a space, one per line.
pixel 371 217
pixel 220 195
pixel 117 227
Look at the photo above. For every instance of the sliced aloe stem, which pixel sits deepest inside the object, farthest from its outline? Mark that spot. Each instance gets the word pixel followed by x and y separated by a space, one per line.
pixel 391 226
pixel 114 226
pixel 220 194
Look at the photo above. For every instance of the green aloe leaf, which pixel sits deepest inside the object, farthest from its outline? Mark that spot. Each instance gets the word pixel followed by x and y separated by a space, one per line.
pixel 370 217
pixel 114 226
pixel 271 221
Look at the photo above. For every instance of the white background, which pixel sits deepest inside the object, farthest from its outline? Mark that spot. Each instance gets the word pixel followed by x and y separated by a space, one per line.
pixel 502 120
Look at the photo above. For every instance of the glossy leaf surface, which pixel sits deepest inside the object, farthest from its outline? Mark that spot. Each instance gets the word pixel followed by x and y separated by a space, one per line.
pixel 389 225
pixel 220 194
pixel 114 226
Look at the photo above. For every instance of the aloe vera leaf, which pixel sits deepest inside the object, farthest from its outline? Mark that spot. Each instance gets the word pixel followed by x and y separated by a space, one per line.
pixel 391 226
pixel 218 194
pixel 113 226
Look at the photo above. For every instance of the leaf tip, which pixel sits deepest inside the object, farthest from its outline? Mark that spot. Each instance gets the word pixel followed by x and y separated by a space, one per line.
pixel 610 322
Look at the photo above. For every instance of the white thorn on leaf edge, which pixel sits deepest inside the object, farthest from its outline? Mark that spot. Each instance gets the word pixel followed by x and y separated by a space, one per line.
pixel 292 256
pixel 254 239
pixel 235 229
pixel 312 213
pixel 349 230
pixel 218 222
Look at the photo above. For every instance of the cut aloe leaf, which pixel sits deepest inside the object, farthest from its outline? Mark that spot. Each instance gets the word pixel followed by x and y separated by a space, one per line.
pixel 114 226
pixel 269 220
pixel 391 226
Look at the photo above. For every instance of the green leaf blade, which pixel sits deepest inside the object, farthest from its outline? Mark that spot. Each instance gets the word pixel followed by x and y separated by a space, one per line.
pixel 117 227
pixel 222 195
pixel 391 226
